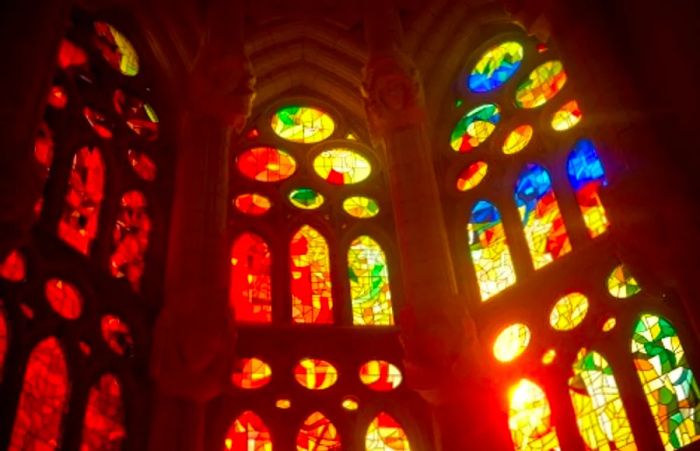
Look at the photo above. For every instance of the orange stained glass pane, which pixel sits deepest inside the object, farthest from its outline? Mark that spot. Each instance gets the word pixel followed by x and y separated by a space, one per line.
pixel 4 339
pixel 302 124
pixel 315 374
pixel 250 294
pixel 14 268
pixel 342 166
pixel 79 221
pixel 318 434
pixel 530 418
pixel 252 204
pixel 621 283
pixel 386 434
pixel 511 342
pixel 43 146
pixel 600 415
pixel 117 335
pixel 549 356
pixel 568 312
pixel 70 55
pixel 471 176
pixel 312 300
pixel 64 298
pixel 131 232
pixel 544 82
pixel 350 403
pixel 567 116
pixel 380 375
pixel 142 165
pixel 116 49
pixel 609 324
pixel 42 402
pixel 518 139
pixel 58 98
pixel 361 207
pixel 100 124
pixel 139 116
pixel 103 427
pixel 369 283
pixel 251 373
pixel 283 403
pixel 266 164
pixel 248 433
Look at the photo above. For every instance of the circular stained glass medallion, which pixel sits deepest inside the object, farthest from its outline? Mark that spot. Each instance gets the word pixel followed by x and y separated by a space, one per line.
pixel 342 166
pixel 302 124
pixel 361 207
pixel 544 82
pixel 266 164
pixel 306 198
pixel 475 127
pixel 495 67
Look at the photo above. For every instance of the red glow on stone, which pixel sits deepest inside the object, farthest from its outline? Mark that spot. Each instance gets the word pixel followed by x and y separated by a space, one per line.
pixel 26 310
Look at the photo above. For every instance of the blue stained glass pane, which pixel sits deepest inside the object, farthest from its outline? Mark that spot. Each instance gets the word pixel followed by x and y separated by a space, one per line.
pixel 584 166
pixel 484 212
pixel 495 67
pixel 533 184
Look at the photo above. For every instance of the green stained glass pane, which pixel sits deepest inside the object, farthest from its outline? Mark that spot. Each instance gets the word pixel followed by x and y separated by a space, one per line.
pixel 306 198
pixel 361 207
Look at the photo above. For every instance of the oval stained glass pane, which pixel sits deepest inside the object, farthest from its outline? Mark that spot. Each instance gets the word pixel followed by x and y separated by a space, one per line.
pixel 318 434
pixel 475 127
pixel 342 166
pixel 361 207
pixel 266 164
pixel 302 124
pixel 14 267
pixel 251 373
pixel 567 116
pixel 544 82
pixel 471 176
pixel 252 204
pixel 103 427
pixel 386 434
pixel 64 298
pixel 117 335
pixel 142 165
pixel 99 122
pixel 139 116
pixel 511 342
pixel 306 198
pixel 518 139
pixel 495 67
pixel 248 433
pixel 621 283
pixel 116 49
pixel 568 312
pixel 315 374
pixel 380 375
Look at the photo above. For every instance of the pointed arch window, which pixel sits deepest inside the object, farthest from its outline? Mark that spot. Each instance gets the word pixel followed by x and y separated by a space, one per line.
pixel 369 283
pixel 318 433
pixel 309 264
pixel 587 176
pixel 251 280
pixel 530 418
pixel 103 427
pixel 386 434
pixel 248 433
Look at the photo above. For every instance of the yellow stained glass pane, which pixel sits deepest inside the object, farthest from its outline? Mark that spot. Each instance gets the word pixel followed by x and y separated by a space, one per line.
pixel 475 127
pixel 342 166
pixel 302 124
pixel 361 207
pixel 495 67
pixel 318 433
pixel 312 296
pixel 511 342
pixel 386 434
pixel 518 139
pixel 609 324
pixel 530 418
pixel 116 49
pixel 543 83
pixel 569 311
pixel 251 373
pixel 369 283
pixel 350 403
pixel 472 175
pixel 567 116
pixel 315 374
pixel 621 284
pixel 380 375
pixel 549 356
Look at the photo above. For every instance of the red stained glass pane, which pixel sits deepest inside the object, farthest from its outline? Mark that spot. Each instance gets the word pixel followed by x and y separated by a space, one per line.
pixel 58 97
pixel 380 375
pixel 43 146
pixel 78 224
pixel 103 428
pixel 312 300
pixel 117 335
pixel 248 433
pixel 64 298
pixel 252 204
pixel 266 164
pixel 70 55
pixel 251 374
pixel 130 238
pixel 142 165
pixel 250 294
pixel 98 122
pixel 318 434
pixel 315 374
pixel 3 339
pixel 14 267
pixel 140 117
pixel 43 399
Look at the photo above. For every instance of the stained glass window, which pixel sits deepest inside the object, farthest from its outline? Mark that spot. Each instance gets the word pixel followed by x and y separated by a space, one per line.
pixel 542 221
pixel 306 198
pixel 117 335
pixel 386 434
pixel 315 374
pixel 669 384
pixel 342 166
pixel 318 434
pixel 14 267
pixel 130 235
pixel 380 375
pixel 475 127
pixel 266 164
pixel 517 139
pixel 64 298
pixel 103 427
pixel 302 124
pixel 587 176
pixel 471 176
pixel 543 83
pixel 621 283
pixel 251 281
pixel 116 49
pixel 568 312
pixel 511 342
pixel 489 250
pixel 495 67
pixel 248 433
pixel 43 400
pixel 369 283
pixel 312 300
pixel 251 373
pixel 600 415
pixel 361 207
pixel 252 204
pixel 567 116
pixel 529 418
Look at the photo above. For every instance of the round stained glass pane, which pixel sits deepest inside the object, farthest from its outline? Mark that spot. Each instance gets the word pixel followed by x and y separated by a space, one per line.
pixel 495 67
pixel 361 207
pixel 251 373
pixel 380 375
pixel 302 124
pixel 567 116
pixel 252 204
pixel 471 176
pixel 511 342
pixel 315 374
pixel 621 283
pixel 306 198
pixel 266 164
pixel 543 83
pixel 568 312
pixel 116 49
pixel 518 139
pixel 475 127
pixel 342 166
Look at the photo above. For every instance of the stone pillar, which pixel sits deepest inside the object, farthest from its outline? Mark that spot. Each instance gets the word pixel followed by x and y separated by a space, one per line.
pixel 441 351
pixel 194 336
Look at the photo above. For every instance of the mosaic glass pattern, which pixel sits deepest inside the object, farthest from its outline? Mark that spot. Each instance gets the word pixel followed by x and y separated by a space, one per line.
pixel 116 49
pixel 315 374
pixel 542 221
pixel 489 250
pixel 380 375
pixel 386 434
pixel 568 312
pixel 64 298
pixel 342 166
pixel 475 127
pixel 306 198
pixel 266 164
pixel 4 339
pixel 130 236
pixel 621 283
pixel 318 434
pixel 495 67
pixel 567 116
pixel 43 400
pixel 312 300
pixel 587 176
pixel 669 384
pixel 600 415
pixel 361 207
pixel 116 334
pixel 248 433
pixel 302 124
pixel 103 428
pixel 100 124
pixel 139 116
pixel 252 204
pixel 471 176
pixel 518 139
pixel 80 218
pixel 251 373
pixel 14 268
pixel 530 418
pixel 250 293
pixel 142 165
pixel 544 82
pixel 369 283
pixel 511 342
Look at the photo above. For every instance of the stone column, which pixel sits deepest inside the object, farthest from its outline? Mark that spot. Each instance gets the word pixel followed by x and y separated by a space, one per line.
pixel 441 351
pixel 194 336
